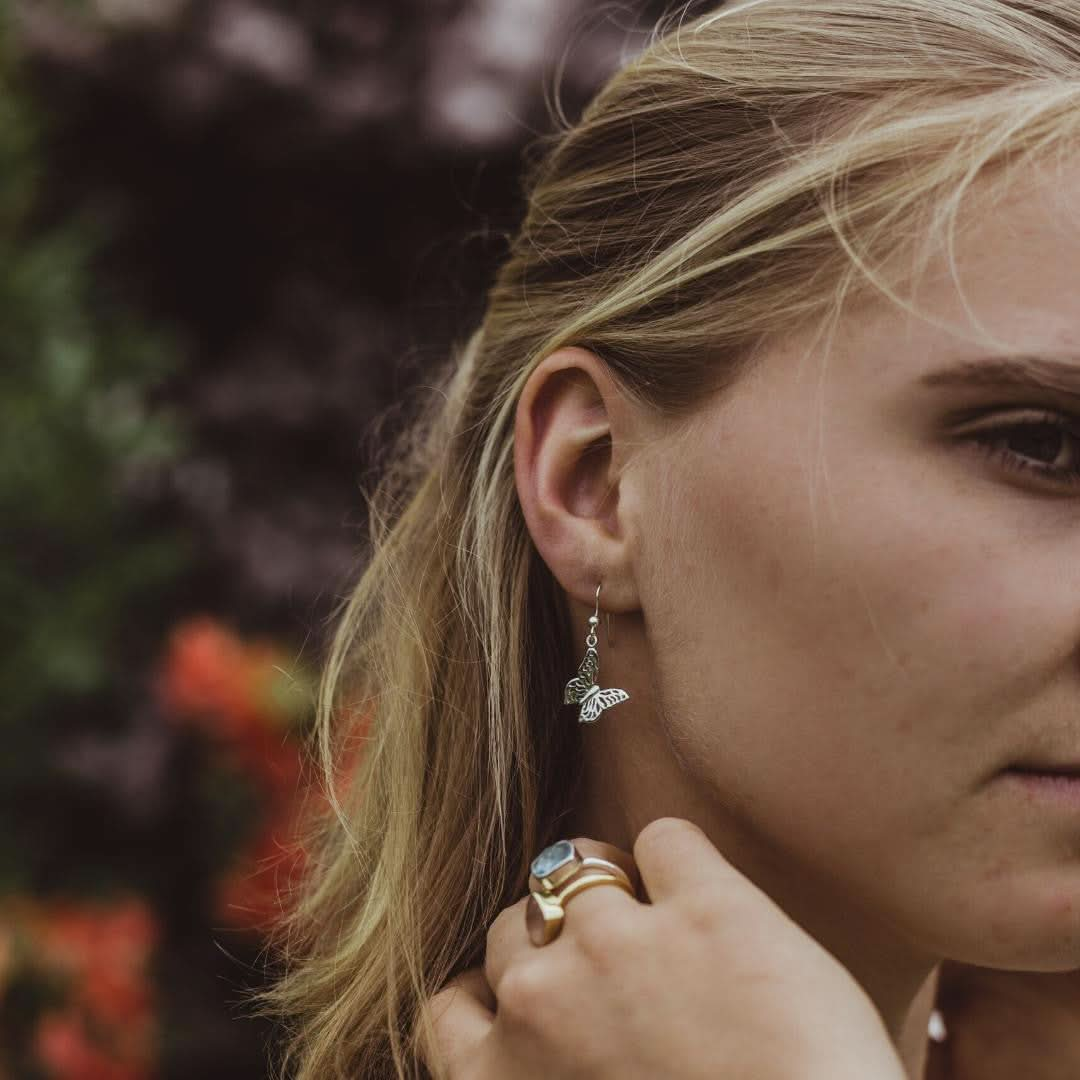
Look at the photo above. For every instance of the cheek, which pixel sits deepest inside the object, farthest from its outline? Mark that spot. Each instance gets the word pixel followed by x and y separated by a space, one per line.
pixel 771 677
pixel 844 671
pixel 825 657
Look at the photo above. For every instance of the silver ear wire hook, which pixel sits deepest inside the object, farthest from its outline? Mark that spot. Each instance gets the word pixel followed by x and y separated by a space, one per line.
pixel 607 616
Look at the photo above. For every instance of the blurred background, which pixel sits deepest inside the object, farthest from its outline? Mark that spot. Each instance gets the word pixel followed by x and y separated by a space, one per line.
pixel 234 237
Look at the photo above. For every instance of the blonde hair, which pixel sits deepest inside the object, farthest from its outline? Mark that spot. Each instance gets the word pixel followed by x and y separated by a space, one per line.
pixel 751 173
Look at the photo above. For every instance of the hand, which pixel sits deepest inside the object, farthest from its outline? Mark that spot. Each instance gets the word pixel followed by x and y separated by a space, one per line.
pixel 708 979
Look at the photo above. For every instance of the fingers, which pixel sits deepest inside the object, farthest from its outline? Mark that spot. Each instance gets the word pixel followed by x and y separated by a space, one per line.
pixel 508 937
pixel 620 858
pixel 461 1015
pixel 674 855
pixel 601 900
pixel 507 942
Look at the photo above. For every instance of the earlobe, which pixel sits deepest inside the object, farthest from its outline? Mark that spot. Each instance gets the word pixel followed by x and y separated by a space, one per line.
pixel 563 450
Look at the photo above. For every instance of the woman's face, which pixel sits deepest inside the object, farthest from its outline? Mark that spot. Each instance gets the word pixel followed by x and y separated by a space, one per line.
pixel 860 616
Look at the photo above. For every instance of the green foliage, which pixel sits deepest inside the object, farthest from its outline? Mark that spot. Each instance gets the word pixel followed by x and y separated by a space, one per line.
pixel 76 425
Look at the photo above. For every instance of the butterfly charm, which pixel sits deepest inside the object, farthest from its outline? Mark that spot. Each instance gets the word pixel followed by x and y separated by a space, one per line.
pixel 582 687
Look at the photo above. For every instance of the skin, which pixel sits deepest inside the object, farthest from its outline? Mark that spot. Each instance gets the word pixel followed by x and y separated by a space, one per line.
pixel 838 622
pixel 629 990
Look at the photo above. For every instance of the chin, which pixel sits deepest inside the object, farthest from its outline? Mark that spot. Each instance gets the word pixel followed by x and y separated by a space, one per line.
pixel 1020 923
pixel 1025 946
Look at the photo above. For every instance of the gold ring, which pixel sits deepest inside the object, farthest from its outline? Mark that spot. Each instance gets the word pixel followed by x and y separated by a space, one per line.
pixel 549 885
pixel 545 912
pixel 560 862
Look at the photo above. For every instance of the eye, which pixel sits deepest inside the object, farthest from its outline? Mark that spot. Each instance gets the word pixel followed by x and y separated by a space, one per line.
pixel 1044 444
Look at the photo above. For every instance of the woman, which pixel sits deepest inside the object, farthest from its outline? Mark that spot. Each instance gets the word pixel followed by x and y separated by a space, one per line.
pixel 785 361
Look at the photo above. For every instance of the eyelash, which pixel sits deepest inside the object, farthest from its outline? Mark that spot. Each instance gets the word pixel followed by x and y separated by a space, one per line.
pixel 988 438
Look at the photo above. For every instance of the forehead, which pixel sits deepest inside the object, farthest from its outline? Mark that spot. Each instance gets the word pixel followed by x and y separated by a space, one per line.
pixel 1014 273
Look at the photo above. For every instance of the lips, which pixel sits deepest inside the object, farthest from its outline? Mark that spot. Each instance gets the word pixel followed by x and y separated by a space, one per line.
pixel 1059 769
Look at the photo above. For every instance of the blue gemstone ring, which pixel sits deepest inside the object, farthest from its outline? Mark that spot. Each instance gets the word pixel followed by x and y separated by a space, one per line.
pixel 545 912
pixel 561 861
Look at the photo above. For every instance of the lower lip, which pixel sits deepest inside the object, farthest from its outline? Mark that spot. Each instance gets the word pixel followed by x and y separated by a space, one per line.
pixel 1057 786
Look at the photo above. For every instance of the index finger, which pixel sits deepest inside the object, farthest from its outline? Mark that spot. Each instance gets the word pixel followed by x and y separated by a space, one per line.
pixel 674 855
pixel 460 1016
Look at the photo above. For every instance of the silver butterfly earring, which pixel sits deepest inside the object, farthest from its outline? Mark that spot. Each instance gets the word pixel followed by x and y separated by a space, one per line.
pixel 582 687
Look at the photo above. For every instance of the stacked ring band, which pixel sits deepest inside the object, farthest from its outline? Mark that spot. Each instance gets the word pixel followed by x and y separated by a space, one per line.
pixel 558 873
pixel 545 911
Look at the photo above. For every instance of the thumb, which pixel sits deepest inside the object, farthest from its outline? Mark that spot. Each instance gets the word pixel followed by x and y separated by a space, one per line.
pixel 674 855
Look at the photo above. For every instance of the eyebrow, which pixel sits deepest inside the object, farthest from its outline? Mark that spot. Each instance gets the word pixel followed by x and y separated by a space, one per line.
pixel 1029 372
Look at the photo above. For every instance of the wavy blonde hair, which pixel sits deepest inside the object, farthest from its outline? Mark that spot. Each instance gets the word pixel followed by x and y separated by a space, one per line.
pixel 752 172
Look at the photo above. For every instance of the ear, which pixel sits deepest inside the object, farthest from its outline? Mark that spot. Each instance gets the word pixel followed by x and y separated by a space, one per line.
pixel 571 435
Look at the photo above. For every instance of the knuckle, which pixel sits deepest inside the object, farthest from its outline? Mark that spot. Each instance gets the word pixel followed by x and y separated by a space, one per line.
pixel 664 830
pixel 701 912
pixel 606 941
pixel 524 994
pixel 506 924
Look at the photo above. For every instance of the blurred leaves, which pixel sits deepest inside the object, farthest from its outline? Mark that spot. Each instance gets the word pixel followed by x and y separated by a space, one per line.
pixel 233 233
pixel 75 418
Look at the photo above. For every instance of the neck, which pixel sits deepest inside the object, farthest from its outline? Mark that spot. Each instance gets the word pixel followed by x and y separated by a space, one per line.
pixel 631 778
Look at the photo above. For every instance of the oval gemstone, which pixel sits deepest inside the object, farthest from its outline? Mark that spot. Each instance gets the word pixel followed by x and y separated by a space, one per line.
pixel 551 858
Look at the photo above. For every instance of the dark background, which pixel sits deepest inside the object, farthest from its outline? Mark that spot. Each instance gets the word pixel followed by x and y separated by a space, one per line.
pixel 235 236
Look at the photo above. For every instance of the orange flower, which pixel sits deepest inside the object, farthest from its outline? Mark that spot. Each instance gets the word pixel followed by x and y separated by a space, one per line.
pixel 62 1046
pixel 101 951
pixel 76 936
pixel 205 680
pixel 264 876
pixel 240 694
pixel 254 893
pixel 275 762
pixel 232 689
